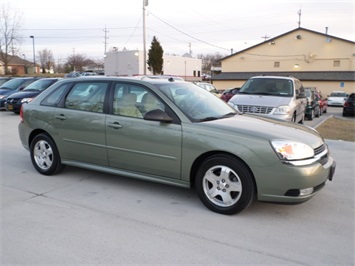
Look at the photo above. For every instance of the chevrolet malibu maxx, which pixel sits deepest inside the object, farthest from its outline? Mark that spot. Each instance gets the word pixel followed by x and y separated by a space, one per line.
pixel 176 133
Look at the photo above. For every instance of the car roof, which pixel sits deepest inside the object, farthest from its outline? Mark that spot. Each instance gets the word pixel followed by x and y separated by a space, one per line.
pixel 274 77
pixel 127 79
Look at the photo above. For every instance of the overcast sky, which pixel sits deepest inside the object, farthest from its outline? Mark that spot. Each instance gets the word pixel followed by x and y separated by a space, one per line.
pixel 205 26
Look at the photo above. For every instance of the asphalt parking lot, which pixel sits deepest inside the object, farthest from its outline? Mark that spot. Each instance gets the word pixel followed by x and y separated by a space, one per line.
pixel 86 217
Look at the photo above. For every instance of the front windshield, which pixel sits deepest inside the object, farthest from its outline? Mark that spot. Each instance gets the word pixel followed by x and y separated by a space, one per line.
pixel 12 84
pixel 268 86
pixel 195 102
pixel 338 94
pixel 39 85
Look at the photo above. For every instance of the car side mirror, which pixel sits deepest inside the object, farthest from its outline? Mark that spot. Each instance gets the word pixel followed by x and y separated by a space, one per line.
pixel 158 115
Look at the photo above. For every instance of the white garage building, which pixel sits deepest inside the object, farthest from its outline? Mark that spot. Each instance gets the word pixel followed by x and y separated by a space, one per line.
pixel 131 63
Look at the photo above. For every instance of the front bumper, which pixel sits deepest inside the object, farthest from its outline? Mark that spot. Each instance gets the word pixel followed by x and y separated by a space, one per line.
pixel 288 183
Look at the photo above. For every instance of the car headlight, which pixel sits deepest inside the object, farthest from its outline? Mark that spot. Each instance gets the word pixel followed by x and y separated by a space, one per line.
pixel 26 100
pixel 2 96
pixel 282 110
pixel 292 150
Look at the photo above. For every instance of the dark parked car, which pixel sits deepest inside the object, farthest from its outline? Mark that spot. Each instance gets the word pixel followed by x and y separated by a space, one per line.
pixel 12 86
pixel 348 107
pixel 229 93
pixel 176 133
pixel 312 107
pixel 14 101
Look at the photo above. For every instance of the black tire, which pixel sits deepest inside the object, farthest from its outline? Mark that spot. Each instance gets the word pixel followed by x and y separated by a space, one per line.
pixel 310 116
pixel 317 112
pixel 224 184
pixel 45 156
pixel 302 120
pixel 293 118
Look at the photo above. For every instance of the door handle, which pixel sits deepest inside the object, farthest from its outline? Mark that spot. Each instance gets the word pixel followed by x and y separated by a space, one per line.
pixel 115 125
pixel 61 117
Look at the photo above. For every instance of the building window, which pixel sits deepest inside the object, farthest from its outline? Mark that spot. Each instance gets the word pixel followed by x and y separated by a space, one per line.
pixel 336 63
pixel 276 64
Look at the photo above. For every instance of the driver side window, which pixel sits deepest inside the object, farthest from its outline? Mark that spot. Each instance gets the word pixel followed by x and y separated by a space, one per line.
pixel 134 101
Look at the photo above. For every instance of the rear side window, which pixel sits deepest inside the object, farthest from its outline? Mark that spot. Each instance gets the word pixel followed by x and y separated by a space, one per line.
pixel 54 98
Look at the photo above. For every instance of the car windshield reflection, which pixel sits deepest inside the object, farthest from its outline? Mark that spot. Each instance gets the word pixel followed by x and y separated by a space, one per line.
pixel 195 102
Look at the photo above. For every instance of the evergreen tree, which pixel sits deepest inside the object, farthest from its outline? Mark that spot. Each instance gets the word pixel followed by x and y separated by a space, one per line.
pixel 155 57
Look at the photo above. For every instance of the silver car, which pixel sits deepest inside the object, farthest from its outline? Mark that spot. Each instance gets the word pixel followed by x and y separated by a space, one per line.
pixel 177 133
pixel 273 96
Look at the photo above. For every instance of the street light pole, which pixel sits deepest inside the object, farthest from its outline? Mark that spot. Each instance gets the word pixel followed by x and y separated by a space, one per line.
pixel 145 3
pixel 34 53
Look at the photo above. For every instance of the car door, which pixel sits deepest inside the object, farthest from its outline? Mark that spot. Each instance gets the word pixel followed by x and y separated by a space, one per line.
pixel 80 124
pixel 138 145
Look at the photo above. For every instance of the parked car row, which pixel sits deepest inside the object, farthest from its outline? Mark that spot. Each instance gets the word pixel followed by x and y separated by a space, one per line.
pixel 16 91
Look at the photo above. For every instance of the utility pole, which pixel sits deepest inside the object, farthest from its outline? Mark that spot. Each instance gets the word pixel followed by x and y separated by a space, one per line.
pixel 299 18
pixel 105 42
pixel 145 3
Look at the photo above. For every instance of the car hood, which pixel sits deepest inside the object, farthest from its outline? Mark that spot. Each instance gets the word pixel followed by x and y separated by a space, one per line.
pixel 260 100
pixel 6 91
pixel 264 128
pixel 25 94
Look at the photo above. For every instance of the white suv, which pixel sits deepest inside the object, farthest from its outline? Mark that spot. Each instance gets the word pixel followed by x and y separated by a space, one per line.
pixel 276 96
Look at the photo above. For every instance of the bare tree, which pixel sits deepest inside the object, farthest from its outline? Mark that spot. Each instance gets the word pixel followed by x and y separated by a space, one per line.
pixel 210 60
pixel 76 62
pixel 10 23
pixel 47 60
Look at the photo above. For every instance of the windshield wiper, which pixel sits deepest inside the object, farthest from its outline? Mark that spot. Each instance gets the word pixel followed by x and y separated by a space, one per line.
pixel 31 90
pixel 229 115
pixel 209 118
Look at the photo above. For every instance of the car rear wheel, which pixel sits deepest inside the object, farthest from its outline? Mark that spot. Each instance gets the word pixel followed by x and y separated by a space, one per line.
pixel 224 184
pixel 45 156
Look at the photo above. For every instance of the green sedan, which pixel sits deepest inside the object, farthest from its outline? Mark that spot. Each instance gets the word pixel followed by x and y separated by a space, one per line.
pixel 174 132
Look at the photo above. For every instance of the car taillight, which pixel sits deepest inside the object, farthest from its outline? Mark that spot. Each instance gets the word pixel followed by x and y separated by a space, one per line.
pixel 21 114
pixel 346 104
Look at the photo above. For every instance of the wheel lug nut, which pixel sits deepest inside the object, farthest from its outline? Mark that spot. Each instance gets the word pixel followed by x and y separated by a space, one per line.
pixel 223 190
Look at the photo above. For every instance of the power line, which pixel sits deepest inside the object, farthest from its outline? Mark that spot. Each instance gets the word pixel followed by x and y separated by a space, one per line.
pixel 187 33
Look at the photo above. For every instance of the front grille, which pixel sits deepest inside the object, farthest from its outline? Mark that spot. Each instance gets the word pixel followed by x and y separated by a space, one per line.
pixel 324 159
pixel 12 100
pixel 254 109
pixel 319 150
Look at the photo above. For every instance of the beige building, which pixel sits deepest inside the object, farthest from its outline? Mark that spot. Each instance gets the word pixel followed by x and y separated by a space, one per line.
pixel 317 59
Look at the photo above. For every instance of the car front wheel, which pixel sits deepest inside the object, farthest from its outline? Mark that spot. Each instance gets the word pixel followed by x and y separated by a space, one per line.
pixel 224 184
pixel 45 156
